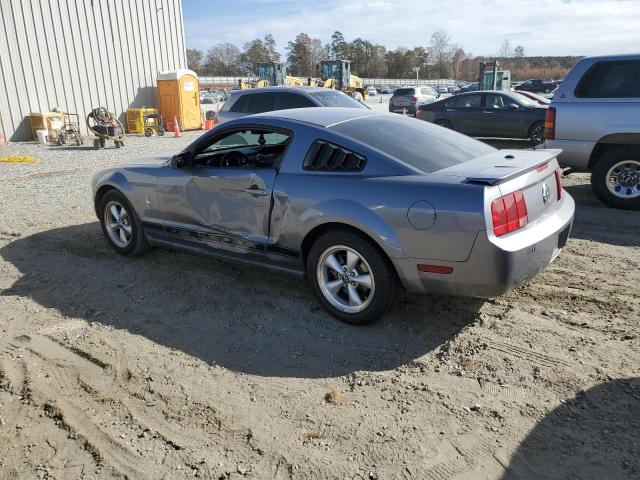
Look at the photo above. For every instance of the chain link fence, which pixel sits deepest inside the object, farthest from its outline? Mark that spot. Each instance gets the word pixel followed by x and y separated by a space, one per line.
pixel 377 82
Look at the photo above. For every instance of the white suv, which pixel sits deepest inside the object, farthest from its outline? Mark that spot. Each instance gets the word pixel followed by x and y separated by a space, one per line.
pixel 594 118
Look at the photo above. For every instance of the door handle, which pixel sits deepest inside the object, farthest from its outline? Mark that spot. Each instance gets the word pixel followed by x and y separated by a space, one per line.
pixel 487 112
pixel 256 190
pixel 450 110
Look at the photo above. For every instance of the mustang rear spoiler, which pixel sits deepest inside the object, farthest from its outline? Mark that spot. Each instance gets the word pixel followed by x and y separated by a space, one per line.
pixel 500 166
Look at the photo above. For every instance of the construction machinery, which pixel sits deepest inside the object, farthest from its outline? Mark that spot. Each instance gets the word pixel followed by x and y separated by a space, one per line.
pixel 272 74
pixel 490 78
pixel 336 74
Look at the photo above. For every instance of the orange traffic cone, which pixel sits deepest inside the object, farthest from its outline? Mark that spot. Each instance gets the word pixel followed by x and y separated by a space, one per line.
pixel 176 127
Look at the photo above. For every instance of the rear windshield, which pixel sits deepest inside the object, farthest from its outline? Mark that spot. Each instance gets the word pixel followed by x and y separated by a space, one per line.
pixel 406 91
pixel 336 99
pixel 420 144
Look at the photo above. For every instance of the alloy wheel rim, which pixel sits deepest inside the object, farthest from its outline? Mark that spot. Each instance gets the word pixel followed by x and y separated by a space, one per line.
pixel 538 135
pixel 345 279
pixel 118 224
pixel 623 179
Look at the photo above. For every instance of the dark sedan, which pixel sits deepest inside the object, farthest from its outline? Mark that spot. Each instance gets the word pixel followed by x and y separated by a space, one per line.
pixel 497 114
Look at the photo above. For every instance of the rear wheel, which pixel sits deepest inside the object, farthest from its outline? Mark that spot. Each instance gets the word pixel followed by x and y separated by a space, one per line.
pixel 615 178
pixel 444 123
pixel 536 134
pixel 351 278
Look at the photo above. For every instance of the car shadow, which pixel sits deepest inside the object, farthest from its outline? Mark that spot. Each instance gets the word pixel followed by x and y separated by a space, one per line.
pixel 596 222
pixel 240 317
pixel 592 436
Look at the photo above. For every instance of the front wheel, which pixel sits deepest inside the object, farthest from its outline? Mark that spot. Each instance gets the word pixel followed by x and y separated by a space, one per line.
pixel 351 277
pixel 120 225
pixel 615 178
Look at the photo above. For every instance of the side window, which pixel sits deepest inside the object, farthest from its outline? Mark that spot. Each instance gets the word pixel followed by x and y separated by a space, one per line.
pixel 465 101
pixel 261 102
pixel 610 80
pixel 287 100
pixel 492 100
pixel 251 148
pixel 240 105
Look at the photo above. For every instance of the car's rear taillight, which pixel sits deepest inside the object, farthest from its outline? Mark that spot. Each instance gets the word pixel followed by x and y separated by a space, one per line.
pixel 419 111
pixel 509 213
pixel 550 124
pixel 415 100
pixel 559 182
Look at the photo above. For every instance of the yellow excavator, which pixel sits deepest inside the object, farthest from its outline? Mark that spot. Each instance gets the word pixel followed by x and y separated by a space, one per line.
pixel 336 74
pixel 272 74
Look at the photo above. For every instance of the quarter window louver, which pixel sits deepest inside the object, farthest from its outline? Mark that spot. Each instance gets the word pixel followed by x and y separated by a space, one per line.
pixel 327 157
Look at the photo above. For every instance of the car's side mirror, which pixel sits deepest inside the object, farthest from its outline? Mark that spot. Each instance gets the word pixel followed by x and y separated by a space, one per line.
pixel 514 107
pixel 180 160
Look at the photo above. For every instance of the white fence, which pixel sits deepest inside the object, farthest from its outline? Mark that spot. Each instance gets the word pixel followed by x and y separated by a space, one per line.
pixel 378 82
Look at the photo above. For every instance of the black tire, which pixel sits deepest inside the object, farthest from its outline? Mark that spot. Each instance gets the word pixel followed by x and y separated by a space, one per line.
pixel 138 243
pixel 148 132
pixel 160 131
pixel 536 133
pixel 599 174
pixel 79 141
pixel 61 140
pixel 103 142
pixel 117 143
pixel 385 281
pixel 96 144
pixel 444 123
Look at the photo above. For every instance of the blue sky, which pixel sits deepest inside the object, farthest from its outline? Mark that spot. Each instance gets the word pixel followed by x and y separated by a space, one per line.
pixel 543 27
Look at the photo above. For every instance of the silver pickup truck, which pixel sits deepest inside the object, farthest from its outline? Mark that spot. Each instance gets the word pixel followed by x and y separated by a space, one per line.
pixel 594 118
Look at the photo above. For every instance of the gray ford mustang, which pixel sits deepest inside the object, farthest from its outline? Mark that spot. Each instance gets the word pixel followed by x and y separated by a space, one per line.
pixel 362 203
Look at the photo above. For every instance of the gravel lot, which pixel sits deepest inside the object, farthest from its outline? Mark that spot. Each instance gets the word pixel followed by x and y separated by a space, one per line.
pixel 173 365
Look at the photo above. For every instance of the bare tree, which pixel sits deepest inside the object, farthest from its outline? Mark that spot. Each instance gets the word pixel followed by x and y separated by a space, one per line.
pixel 223 59
pixel 440 53
pixel 457 57
pixel 505 49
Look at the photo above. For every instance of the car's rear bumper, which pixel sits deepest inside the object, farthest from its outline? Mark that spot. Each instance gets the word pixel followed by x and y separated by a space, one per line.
pixel 575 153
pixel 495 265
pixel 411 109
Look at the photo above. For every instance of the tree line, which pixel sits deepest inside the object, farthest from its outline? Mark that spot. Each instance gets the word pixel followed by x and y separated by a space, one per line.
pixel 441 58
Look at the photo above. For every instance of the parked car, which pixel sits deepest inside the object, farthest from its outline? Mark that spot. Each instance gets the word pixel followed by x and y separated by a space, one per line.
pixel 371 91
pixel 299 191
pixel 499 114
pixel 535 97
pixel 536 85
pixel 385 90
pixel 408 98
pixel 594 118
pixel 471 87
pixel 267 99
pixel 442 89
pixel 452 89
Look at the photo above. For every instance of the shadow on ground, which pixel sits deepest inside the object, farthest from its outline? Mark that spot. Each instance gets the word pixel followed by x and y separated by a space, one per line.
pixel 241 318
pixel 599 223
pixel 593 436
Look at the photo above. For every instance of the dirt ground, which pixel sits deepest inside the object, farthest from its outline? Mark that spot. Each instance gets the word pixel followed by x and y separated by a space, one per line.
pixel 173 365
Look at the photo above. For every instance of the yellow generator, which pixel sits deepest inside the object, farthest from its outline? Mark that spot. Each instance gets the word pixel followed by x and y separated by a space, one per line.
pixel 336 74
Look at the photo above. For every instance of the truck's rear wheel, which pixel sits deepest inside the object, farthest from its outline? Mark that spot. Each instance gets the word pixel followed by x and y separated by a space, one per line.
pixel 615 178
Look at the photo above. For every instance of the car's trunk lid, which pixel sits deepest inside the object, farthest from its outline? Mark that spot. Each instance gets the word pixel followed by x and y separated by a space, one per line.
pixel 532 173
pixel 403 97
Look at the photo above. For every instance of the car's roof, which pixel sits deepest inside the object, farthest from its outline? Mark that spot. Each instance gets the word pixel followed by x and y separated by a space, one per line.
pixel 322 117
pixel 280 89
pixel 619 56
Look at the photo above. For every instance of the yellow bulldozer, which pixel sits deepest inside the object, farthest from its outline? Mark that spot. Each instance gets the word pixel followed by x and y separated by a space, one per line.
pixel 336 74
pixel 272 74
